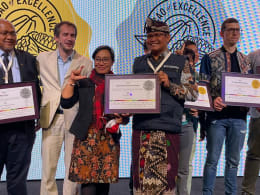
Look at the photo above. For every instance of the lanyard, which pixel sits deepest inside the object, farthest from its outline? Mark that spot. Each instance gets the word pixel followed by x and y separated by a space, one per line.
pixel 8 67
pixel 160 65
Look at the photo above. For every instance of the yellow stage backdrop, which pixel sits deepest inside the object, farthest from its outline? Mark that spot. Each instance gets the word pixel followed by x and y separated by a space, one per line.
pixel 34 21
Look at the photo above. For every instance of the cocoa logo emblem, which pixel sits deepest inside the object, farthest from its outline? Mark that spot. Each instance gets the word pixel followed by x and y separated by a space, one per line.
pixel 188 20
pixel 34 21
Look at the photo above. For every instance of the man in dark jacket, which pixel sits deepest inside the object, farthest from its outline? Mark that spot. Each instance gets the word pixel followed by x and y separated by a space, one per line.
pixel 16 138
pixel 155 136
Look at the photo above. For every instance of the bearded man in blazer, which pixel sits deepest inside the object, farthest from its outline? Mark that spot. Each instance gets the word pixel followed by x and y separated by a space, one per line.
pixel 16 138
pixel 55 69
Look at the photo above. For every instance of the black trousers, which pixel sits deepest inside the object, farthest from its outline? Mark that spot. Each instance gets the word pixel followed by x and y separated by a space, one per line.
pixel 95 189
pixel 15 153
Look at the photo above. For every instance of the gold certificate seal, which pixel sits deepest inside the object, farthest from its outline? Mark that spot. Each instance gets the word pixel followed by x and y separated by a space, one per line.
pixel 255 84
pixel 202 90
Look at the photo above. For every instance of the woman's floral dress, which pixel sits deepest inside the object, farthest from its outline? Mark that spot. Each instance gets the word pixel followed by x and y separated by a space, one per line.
pixel 96 159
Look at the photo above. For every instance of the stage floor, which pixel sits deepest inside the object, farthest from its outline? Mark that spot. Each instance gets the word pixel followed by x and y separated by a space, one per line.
pixel 121 188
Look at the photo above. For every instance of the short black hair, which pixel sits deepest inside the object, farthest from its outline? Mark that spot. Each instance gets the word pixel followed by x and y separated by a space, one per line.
pixel 59 25
pixel 189 42
pixel 189 52
pixel 227 21
pixel 104 47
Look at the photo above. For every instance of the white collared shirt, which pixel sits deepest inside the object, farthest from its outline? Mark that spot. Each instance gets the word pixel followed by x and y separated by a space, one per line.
pixel 15 66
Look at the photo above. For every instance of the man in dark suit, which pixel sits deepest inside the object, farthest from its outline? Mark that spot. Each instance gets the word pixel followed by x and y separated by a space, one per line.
pixel 16 138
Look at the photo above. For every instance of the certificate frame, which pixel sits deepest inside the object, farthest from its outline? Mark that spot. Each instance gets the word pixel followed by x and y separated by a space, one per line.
pixel 196 105
pixel 34 99
pixel 110 77
pixel 225 75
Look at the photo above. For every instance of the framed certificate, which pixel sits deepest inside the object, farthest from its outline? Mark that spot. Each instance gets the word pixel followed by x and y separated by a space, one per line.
pixel 204 101
pixel 241 89
pixel 135 93
pixel 18 102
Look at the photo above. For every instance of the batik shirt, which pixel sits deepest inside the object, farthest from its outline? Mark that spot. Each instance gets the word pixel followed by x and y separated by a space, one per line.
pixel 216 62
pixel 212 66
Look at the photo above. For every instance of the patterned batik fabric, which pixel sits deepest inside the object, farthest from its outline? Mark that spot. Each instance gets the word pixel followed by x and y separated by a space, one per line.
pixel 216 62
pixel 96 159
pixel 155 162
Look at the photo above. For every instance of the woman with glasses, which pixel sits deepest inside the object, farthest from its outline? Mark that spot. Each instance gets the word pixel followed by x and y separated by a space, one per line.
pixel 95 155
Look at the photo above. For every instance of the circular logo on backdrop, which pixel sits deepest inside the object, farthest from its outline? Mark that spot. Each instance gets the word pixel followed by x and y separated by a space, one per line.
pixel 188 20
pixel 34 21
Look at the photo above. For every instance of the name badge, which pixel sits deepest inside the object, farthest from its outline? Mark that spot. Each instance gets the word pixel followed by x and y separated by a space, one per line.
pixel 171 67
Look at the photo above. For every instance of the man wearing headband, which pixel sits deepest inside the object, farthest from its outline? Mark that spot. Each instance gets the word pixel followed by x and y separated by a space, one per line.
pixel 155 142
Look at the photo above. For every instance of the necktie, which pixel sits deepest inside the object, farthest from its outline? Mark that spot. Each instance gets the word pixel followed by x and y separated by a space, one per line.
pixel 6 62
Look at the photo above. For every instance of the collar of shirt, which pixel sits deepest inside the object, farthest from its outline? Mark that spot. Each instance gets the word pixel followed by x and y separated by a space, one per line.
pixel 224 49
pixel 2 52
pixel 68 59
pixel 15 66
pixel 161 57
pixel 63 66
pixel 234 60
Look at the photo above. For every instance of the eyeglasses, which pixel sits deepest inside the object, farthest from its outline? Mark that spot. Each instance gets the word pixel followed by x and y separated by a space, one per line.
pixel 104 60
pixel 11 33
pixel 149 36
pixel 233 30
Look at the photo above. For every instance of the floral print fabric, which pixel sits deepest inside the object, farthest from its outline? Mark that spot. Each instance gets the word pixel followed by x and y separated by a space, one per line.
pixel 96 159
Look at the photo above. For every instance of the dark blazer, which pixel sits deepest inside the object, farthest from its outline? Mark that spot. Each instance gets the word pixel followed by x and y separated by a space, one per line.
pixel 84 93
pixel 29 72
